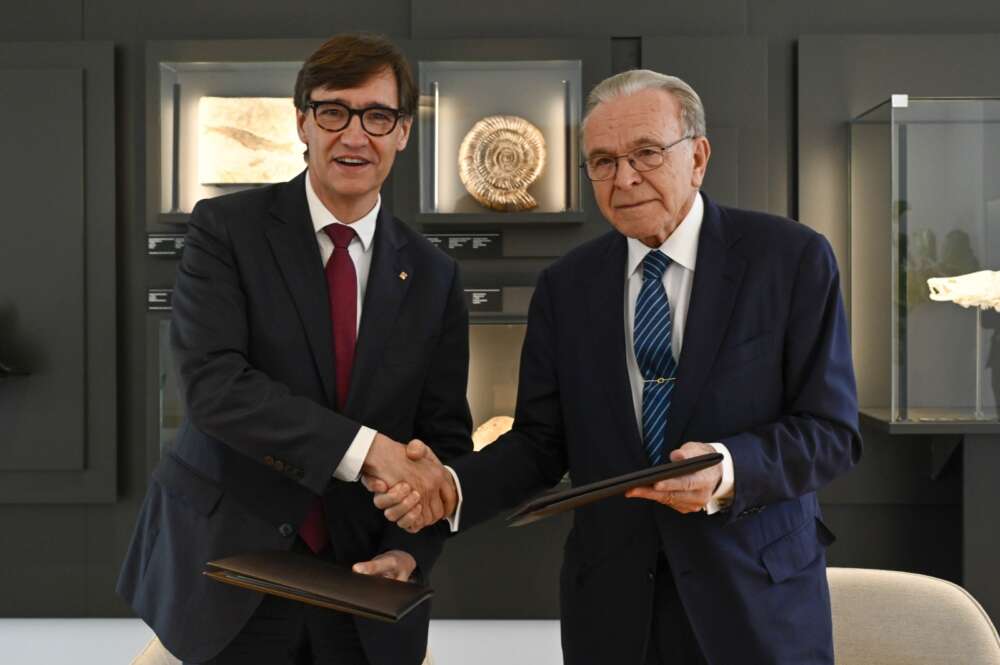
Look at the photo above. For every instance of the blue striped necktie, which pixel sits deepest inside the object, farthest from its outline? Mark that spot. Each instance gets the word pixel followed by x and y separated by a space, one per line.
pixel 652 333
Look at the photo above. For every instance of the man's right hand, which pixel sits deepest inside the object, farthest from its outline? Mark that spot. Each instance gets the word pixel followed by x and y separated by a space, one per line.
pixel 412 488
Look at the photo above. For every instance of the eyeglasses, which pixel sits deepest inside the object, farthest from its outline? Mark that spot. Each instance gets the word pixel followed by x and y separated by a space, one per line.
pixel 646 158
pixel 334 116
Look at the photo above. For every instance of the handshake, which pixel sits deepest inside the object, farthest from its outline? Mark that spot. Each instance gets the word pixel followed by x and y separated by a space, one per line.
pixel 411 486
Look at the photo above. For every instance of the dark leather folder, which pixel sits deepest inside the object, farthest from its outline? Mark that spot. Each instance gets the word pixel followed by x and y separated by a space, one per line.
pixel 317 582
pixel 552 503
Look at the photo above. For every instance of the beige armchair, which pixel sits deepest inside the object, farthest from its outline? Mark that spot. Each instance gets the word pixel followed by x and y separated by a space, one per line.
pixel 154 653
pixel 886 617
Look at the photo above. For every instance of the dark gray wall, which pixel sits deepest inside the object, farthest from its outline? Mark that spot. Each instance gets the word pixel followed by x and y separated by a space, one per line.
pixel 888 513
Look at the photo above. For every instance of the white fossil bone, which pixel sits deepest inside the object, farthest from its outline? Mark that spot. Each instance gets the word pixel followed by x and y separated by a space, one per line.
pixel 977 289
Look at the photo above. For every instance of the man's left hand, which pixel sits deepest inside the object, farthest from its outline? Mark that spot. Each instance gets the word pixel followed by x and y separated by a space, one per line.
pixel 394 564
pixel 685 494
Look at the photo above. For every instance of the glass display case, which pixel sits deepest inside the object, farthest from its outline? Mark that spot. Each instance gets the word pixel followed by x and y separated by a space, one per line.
pixel 499 139
pixel 925 245
pixel 223 126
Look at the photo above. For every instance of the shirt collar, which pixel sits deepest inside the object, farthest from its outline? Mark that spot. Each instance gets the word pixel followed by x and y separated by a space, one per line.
pixel 681 246
pixel 322 217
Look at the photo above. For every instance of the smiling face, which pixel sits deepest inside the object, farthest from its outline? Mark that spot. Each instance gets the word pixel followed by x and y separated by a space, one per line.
pixel 645 205
pixel 347 168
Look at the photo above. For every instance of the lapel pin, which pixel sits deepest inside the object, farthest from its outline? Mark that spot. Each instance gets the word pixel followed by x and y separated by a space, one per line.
pixel 403 275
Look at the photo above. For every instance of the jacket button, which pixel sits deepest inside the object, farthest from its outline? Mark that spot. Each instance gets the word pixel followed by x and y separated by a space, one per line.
pixel 269 460
pixel 286 530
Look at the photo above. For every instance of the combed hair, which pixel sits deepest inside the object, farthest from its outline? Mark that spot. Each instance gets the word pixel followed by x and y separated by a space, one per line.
pixel 350 60
pixel 637 80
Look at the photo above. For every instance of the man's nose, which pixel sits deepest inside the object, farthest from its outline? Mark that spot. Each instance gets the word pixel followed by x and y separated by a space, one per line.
pixel 354 134
pixel 625 175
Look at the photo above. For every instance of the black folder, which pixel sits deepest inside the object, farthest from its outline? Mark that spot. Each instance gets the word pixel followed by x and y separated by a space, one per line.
pixel 552 503
pixel 310 580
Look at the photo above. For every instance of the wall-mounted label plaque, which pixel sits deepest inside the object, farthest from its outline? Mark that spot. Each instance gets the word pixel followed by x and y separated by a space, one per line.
pixel 159 300
pixel 165 244
pixel 484 300
pixel 468 245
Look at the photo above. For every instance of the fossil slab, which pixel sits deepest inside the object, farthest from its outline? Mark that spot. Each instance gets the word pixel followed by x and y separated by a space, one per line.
pixel 247 140
pixel 977 289
pixel 499 159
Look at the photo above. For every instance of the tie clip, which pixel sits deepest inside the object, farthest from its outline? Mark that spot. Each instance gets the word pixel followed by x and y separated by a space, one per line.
pixel 659 379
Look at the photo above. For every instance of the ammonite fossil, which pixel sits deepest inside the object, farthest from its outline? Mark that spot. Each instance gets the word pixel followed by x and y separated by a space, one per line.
pixel 499 159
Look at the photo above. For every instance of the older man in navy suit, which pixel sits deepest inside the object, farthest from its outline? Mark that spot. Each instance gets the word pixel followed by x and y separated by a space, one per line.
pixel 689 328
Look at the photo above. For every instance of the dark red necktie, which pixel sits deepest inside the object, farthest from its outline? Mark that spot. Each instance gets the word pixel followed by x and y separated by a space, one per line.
pixel 342 285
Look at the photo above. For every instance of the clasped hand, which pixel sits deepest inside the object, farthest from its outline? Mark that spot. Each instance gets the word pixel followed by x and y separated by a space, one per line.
pixel 411 486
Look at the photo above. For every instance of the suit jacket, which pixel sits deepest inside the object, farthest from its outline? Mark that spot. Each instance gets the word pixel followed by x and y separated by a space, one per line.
pixel 252 340
pixel 765 369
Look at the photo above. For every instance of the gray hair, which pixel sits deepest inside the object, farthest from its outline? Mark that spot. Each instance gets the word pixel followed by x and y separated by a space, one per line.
pixel 637 80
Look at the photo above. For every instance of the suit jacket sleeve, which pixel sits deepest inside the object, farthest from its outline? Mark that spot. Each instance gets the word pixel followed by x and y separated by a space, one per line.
pixel 443 419
pixel 817 438
pixel 226 396
pixel 532 456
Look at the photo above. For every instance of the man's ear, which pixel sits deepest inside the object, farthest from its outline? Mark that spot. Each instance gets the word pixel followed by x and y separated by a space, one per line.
pixel 405 125
pixel 702 152
pixel 300 121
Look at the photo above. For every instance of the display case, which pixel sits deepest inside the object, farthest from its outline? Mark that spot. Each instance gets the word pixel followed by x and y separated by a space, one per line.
pixel 925 242
pixel 220 118
pixel 499 139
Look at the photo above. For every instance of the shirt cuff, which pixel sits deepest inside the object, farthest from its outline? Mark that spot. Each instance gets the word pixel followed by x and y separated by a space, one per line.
pixel 349 468
pixel 454 517
pixel 724 492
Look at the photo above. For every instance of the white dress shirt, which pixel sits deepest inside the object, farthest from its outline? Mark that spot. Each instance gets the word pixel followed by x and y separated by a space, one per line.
pixel 360 250
pixel 682 250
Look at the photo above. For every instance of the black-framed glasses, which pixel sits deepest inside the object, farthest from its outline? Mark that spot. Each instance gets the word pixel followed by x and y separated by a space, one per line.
pixel 335 116
pixel 645 158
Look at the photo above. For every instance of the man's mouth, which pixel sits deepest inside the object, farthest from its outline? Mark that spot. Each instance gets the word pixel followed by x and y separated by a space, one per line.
pixel 352 162
pixel 627 206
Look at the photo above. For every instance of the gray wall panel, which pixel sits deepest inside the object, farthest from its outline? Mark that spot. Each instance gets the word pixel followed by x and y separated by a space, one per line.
pixel 730 75
pixel 60 271
pixel 41 20
pixel 42 178
pixel 230 19
pixel 570 18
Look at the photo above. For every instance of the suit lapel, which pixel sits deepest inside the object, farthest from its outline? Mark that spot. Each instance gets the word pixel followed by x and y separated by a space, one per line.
pixel 717 278
pixel 383 297
pixel 607 318
pixel 297 254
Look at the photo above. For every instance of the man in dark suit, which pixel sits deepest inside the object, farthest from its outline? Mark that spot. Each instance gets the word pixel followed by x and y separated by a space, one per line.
pixel 690 328
pixel 311 331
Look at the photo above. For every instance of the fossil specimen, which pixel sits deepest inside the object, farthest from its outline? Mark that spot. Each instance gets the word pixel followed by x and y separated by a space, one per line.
pixel 247 140
pixel 977 289
pixel 499 159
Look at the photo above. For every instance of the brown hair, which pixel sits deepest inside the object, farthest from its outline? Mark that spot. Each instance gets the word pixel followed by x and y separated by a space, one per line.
pixel 350 60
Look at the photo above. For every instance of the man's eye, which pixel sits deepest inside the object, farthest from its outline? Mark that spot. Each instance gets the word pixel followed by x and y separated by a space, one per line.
pixel 643 153
pixel 332 112
pixel 379 116
pixel 601 162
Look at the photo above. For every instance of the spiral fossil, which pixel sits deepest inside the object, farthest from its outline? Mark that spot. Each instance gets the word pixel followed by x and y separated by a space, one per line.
pixel 499 159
